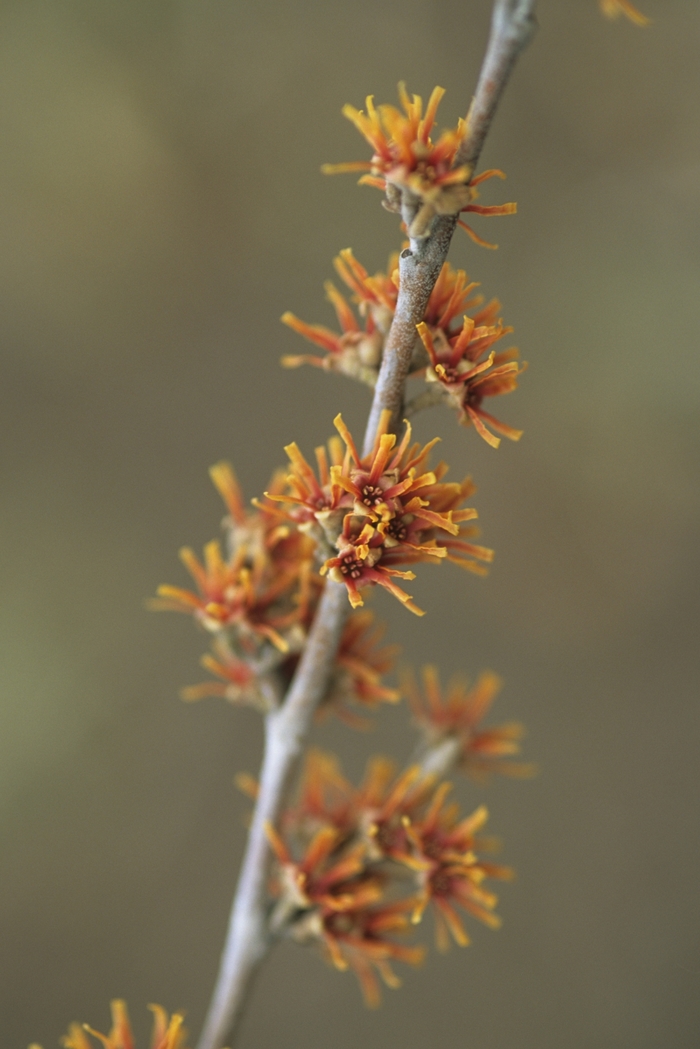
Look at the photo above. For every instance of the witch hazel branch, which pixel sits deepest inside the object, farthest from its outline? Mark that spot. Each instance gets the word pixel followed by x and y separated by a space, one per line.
pixel 353 869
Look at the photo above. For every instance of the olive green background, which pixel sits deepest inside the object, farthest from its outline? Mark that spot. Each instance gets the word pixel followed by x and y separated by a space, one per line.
pixel 160 207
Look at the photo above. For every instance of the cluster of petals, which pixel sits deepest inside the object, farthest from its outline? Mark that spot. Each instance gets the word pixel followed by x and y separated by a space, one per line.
pixel 257 592
pixel 467 370
pixel 381 510
pixel 615 8
pixel 407 161
pixel 348 889
pixel 457 713
pixel 167 1033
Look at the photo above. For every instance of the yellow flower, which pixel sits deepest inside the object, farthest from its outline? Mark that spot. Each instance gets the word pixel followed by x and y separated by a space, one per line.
pixel 167 1033
pixel 615 8
pixel 407 161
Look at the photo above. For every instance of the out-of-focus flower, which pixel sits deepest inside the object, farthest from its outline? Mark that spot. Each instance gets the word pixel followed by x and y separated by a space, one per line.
pixel 239 682
pixel 406 161
pixel 387 808
pixel 167 1033
pixel 468 370
pixel 327 876
pixel 360 665
pixel 452 874
pixel 456 713
pixel 615 8
pixel 331 896
pixel 359 938
pixel 231 594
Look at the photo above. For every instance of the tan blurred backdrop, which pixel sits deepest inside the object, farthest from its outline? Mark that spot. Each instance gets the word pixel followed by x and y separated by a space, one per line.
pixel 161 205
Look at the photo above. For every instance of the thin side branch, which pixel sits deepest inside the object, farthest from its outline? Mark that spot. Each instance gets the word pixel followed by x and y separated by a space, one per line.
pixel 287 729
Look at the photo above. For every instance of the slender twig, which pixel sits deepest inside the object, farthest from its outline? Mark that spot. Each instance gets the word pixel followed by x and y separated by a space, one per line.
pixel 512 26
pixel 248 938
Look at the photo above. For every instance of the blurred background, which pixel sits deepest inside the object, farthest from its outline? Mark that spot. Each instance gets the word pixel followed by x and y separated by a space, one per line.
pixel 161 205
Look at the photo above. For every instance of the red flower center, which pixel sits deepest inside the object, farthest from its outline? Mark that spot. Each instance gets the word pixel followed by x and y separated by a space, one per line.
pixel 372 495
pixel 350 566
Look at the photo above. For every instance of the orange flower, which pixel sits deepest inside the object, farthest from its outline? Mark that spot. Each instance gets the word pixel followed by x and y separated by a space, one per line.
pixel 232 594
pixel 360 663
pixel 457 714
pixel 357 350
pixel 325 798
pixel 310 503
pixel 167 1034
pixel 375 812
pixel 261 590
pixel 344 891
pixel 451 872
pixel 328 875
pixel 407 162
pixel 387 808
pixel 465 380
pixel 615 8
pixel 392 513
pixel 239 682
pixel 357 938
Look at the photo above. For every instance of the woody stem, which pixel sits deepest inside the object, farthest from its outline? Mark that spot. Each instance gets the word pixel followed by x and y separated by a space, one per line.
pixel 286 731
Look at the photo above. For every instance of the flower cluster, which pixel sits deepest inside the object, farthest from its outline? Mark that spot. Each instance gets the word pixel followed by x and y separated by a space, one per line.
pixel 357 349
pixel 615 8
pixel 167 1033
pixel 379 511
pixel 409 167
pixel 259 602
pixel 357 867
pixel 456 714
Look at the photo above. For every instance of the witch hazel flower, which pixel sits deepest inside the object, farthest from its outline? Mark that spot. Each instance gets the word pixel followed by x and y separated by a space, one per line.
pixel 255 595
pixel 361 664
pixel 466 370
pixel 455 714
pixel 412 169
pixel 450 872
pixel 393 511
pixel 331 897
pixel 357 350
